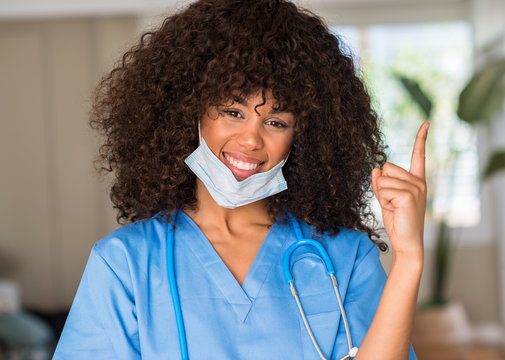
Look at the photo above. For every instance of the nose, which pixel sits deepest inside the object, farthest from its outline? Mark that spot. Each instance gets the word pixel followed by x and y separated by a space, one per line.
pixel 250 136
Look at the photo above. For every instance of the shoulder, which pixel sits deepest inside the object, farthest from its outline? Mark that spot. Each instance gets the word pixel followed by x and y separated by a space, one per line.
pixel 133 242
pixel 354 256
pixel 349 249
pixel 356 242
pixel 348 241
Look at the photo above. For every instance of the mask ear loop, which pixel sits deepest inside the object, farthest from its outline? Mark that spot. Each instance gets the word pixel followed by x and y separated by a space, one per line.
pixel 286 159
pixel 199 134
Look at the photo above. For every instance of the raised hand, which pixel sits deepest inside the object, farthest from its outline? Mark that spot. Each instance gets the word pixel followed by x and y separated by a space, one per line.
pixel 402 197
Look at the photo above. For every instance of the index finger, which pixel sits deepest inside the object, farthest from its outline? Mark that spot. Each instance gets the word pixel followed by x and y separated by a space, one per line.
pixel 418 153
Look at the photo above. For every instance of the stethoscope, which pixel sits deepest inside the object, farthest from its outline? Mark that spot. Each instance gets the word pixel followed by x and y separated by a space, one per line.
pixel 286 261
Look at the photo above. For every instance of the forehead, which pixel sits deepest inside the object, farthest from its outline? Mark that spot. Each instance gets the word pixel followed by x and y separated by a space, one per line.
pixel 257 99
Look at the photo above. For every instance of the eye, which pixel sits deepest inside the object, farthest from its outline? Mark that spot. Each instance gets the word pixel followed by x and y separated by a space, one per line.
pixel 232 113
pixel 276 124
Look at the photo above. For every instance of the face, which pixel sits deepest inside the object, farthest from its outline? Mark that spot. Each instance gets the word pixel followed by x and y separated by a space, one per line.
pixel 246 138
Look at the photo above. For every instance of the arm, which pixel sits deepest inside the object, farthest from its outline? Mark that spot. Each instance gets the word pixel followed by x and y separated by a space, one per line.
pixel 388 336
pixel 402 196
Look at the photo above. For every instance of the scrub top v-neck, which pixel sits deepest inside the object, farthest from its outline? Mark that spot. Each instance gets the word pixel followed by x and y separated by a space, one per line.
pixel 240 298
pixel 123 307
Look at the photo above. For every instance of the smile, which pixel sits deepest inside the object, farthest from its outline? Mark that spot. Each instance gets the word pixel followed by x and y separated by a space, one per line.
pixel 240 164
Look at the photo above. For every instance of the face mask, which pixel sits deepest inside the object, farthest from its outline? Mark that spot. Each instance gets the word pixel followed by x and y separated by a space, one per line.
pixel 227 191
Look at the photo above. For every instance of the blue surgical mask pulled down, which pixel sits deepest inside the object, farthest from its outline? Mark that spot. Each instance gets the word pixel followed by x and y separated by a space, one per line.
pixel 222 185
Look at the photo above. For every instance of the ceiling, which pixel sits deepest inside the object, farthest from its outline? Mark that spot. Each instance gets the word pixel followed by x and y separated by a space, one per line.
pixel 20 9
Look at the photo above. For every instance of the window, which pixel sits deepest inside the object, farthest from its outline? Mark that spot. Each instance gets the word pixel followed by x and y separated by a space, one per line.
pixel 439 57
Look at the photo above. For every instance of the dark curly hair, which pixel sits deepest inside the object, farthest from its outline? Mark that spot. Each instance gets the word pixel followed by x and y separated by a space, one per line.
pixel 149 106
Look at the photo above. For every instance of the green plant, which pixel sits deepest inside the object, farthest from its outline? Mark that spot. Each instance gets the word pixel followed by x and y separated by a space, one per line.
pixel 481 99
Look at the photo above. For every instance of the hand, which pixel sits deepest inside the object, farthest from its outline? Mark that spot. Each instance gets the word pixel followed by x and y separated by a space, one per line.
pixel 402 197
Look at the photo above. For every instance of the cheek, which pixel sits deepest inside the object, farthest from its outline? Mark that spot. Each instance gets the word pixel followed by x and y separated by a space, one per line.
pixel 216 135
pixel 210 140
pixel 283 147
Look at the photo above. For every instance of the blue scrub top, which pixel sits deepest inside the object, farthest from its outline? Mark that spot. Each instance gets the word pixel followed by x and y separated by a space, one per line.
pixel 123 307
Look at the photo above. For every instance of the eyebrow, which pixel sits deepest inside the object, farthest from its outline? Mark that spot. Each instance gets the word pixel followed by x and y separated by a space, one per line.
pixel 244 102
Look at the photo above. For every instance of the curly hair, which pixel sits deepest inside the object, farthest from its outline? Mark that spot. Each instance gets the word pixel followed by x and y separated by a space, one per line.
pixel 149 105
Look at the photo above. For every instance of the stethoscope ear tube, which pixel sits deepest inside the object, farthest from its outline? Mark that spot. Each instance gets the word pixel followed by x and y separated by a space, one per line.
pixel 352 350
pixel 307 326
pixel 286 265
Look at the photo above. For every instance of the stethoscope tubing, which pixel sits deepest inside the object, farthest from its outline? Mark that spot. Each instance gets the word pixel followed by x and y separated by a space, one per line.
pixel 175 293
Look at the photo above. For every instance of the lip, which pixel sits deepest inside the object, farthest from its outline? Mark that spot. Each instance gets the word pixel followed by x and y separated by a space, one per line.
pixel 239 173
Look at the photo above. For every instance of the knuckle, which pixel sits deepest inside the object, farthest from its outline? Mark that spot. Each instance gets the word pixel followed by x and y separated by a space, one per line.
pixel 419 184
pixel 387 167
pixel 423 187
pixel 409 196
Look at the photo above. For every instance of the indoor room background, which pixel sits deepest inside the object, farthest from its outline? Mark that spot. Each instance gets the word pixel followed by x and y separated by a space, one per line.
pixel 54 206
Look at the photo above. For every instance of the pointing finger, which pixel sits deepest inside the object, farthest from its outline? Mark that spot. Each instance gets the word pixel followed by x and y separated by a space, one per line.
pixel 418 153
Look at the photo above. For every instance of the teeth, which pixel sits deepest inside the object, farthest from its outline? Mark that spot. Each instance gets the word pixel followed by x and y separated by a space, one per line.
pixel 240 164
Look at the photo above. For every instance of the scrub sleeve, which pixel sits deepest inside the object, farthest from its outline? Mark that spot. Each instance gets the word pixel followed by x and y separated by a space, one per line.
pixel 103 318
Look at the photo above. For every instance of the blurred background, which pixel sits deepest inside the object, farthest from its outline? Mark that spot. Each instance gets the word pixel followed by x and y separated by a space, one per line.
pixel 415 56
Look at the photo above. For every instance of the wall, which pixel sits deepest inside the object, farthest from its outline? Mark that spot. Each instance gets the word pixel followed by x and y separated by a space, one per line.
pixel 52 206
pixel 473 280
pixel 489 30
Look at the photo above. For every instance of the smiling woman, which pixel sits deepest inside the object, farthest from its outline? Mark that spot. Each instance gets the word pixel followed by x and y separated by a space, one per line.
pixel 238 132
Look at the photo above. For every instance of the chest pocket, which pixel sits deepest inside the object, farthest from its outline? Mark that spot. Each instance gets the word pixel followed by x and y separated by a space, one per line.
pixel 319 303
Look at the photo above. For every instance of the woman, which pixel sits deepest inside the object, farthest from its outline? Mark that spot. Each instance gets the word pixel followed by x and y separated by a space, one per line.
pixel 206 121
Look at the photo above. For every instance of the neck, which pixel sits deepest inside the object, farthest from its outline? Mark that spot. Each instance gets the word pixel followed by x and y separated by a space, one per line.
pixel 209 213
